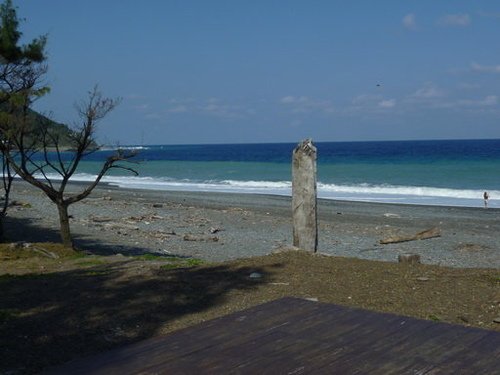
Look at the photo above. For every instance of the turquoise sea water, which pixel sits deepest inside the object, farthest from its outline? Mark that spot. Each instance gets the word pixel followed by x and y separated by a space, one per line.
pixel 416 172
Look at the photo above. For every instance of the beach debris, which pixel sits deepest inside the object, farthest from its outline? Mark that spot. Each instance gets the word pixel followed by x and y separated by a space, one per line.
pixel 121 226
pixel 409 258
pixel 101 219
pixel 496 320
pixel 162 235
pixel 45 253
pixel 214 230
pixel 157 205
pixel 312 299
pixel 15 203
pixel 392 215
pixel 470 247
pixel 191 237
pixel 304 196
pixel 19 245
pixel 422 278
pixel 255 275
pixel 136 218
pixel 424 235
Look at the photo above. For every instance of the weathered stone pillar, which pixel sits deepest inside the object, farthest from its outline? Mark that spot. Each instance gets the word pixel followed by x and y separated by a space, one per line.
pixel 304 196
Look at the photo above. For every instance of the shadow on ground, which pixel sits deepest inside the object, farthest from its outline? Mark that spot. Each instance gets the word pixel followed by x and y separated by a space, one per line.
pixel 49 319
pixel 27 230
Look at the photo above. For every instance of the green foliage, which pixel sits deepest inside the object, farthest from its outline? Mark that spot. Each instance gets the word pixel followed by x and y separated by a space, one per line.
pixel 434 318
pixel 181 263
pixel 90 262
pixel 152 257
pixel 7 314
pixel 10 51
pixel 22 69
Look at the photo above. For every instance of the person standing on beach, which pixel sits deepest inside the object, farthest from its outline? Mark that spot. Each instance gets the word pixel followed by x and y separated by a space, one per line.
pixel 486 196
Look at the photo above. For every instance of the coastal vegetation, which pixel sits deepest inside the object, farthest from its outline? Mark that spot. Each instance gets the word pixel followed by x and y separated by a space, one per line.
pixel 30 144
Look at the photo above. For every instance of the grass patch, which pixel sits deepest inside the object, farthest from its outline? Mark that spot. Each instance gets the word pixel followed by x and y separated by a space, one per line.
pixel 434 318
pixel 21 250
pixel 97 273
pixel 90 262
pixel 7 314
pixel 181 263
pixel 493 279
pixel 152 257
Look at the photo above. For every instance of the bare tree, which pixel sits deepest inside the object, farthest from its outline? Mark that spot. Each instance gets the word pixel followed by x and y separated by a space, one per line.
pixel 35 157
pixel 29 146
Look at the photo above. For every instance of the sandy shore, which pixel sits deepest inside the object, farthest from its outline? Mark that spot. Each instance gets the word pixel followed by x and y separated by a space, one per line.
pixel 217 226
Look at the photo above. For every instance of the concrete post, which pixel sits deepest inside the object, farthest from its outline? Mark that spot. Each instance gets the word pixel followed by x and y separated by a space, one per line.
pixel 304 196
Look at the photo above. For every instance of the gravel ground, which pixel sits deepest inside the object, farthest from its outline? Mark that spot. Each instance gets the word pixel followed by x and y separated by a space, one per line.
pixel 218 227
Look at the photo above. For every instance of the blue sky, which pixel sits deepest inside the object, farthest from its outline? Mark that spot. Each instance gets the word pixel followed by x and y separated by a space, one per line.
pixel 240 71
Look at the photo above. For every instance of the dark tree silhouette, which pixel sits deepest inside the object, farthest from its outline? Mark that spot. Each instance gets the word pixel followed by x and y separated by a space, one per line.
pixel 30 147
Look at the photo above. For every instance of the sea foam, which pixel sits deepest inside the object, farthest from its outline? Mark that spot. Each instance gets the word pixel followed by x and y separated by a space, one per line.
pixel 423 195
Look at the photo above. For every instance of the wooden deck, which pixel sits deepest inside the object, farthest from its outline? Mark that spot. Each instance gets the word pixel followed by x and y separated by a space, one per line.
pixel 296 336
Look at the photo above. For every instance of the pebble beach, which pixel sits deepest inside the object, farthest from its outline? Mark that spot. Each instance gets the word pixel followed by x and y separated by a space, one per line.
pixel 227 226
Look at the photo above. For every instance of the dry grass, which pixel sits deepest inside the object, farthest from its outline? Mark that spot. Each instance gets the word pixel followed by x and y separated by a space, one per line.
pixel 75 305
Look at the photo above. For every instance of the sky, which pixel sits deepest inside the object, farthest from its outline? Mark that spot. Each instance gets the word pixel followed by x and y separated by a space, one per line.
pixel 252 71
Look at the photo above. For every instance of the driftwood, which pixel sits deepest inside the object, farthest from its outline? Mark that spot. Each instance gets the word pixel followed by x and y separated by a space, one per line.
pixel 304 196
pixel 429 233
pixel 409 258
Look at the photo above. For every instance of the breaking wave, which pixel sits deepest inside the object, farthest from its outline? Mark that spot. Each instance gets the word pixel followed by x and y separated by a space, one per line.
pixel 424 195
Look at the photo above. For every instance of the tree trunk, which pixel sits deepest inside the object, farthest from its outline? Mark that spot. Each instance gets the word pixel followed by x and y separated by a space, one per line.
pixel 2 230
pixel 64 224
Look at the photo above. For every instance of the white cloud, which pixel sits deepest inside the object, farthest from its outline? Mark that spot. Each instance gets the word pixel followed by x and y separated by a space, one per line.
pixel 304 104
pixel 468 86
pixel 409 22
pixel 153 116
pixel 294 100
pixel 141 107
pixel 370 104
pixel 488 14
pixel 389 103
pixel 485 68
pixel 460 20
pixel 488 101
pixel 216 107
pixel 366 99
pixel 178 109
pixel 429 91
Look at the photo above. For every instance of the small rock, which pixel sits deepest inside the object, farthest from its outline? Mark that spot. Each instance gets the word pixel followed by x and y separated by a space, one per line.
pixel 16 245
pixel 101 219
pixel 423 278
pixel 312 299
pixel 496 320
pixel 409 258
pixel 15 203
pixel 157 205
pixel 190 237
pixel 392 215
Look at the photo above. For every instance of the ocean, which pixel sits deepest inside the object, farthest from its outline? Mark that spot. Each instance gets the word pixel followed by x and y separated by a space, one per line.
pixel 448 173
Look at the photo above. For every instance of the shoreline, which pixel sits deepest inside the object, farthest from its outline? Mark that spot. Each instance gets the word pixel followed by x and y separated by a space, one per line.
pixel 225 226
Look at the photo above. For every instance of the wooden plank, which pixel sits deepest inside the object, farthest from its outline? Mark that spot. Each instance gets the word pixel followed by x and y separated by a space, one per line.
pixel 292 335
